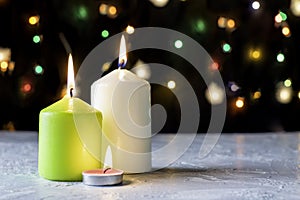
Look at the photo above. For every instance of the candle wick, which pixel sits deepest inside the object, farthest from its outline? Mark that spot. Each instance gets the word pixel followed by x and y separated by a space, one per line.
pixel 121 64
pixel 71 92
pixel 106 170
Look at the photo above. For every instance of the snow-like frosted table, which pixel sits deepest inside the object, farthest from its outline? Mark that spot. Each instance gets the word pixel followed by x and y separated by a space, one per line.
pixel 241 166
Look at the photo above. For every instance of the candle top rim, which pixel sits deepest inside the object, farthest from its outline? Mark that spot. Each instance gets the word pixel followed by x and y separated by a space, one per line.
pixel 129 77
pixel 77 106
pixel 100 172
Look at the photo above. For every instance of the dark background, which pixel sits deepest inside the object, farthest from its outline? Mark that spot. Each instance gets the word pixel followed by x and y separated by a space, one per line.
pixel 80 22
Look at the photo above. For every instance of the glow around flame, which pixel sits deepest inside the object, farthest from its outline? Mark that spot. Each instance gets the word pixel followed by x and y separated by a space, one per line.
pixel 71 80
pixel 122 53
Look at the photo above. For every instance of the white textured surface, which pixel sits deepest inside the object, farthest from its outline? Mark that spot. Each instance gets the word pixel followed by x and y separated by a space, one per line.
pixel 241 166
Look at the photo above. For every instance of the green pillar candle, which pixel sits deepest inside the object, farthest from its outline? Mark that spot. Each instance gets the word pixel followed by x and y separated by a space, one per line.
pixel 68 129
pixel 62 154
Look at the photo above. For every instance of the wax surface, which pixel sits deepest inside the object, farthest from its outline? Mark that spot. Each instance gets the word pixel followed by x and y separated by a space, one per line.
pixel 100 172
pixel 62 154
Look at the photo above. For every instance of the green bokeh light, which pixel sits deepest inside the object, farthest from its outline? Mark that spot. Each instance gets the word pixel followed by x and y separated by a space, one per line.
pixel 38 69
pixel 105 33
pixel 226 48
pixel 200 26
pixel 36 39
pixel 283 16
pixel 82 12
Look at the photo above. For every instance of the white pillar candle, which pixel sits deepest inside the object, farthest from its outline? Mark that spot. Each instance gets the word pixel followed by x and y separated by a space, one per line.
pixel 124 100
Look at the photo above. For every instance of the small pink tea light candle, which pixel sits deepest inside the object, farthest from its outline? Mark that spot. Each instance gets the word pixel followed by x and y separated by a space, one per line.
pixel 102 177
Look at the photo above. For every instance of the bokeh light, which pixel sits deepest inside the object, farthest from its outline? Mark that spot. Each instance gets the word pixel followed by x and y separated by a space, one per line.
pixel 222 22
pixel 171 84
pixel 112 11
pixel 130 29
pixel 103 9
pixel 280 57
pixel 26 87
pixel 105 33
pixel 239 103
pixel 233 87
pixel 5 54
pixel 226 48
pixel 256 95
pixel 295 7
pixel 4 66
pixel 38 70
pixel 33 20
pixel 36 39
pixel 106 66
pixel 287 83
pixel 286 31
pixel 284 92
pixel 200 26
pixel 278 18
pixel 82 13
pixel 142 70
pixel 215 66
pixel 255 5
pixel 255 54
pixel 230 24
pixel 11 66
pixel 283 15
pixel 214 94
pixel 178 44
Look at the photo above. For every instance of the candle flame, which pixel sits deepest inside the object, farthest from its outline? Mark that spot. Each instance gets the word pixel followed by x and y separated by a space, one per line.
pixel 71 81
pixel 122 53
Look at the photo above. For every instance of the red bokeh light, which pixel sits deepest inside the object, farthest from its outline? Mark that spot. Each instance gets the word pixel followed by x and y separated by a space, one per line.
pixel 26 87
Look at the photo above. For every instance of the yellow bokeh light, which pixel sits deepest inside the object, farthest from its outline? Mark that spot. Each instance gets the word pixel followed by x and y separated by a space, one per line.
pixel 287 83
pixel 239 103
pixel 230 23
pixel 106 66
pixel 130 29
pixel 4 66
pixel 222 22
pixel 103 9
pixel 299 94
pixel 285 96
pixel 257 95
pixel 286 31
pixel 255 55
pixel 171 84
pixel 33 20
pixel 214 94
pixel 112 10
pixel 283 93
pixel 11 66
